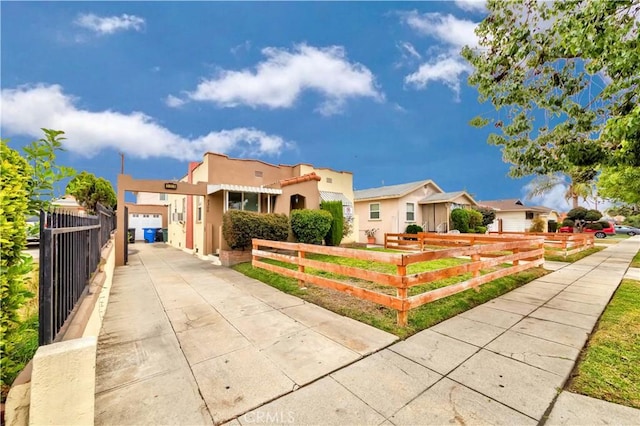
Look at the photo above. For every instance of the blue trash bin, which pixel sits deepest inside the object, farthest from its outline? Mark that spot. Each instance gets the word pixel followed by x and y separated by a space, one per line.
pixel 149 234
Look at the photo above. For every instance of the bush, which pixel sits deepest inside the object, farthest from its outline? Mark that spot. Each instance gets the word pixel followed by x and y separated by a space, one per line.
pixel 592 215
pixel 488 215
pixel 14 203
pixel 310 226
pixel 604 224
pixel 537 225
pixel 413 229
pixel 460 220
pixel 596 226
pixel 240 227
pixel 578 213
pixel 475 218
pixel 568 222
pixel 336 231
pixel 552 226
pixel 480 229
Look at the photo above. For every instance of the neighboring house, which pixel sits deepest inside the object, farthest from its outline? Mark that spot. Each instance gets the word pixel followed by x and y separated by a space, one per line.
pixel 195 222
pixel 68 203
pixel 513 215
pixel 390 209
pixel 149 211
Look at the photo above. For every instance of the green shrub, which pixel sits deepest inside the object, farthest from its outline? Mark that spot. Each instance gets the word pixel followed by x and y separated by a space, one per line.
pixel 240 227
pixel 578 213
pixel 460 220
pixel 310 226
pixel 592 215
pixel 475 218
pixel 568 222
pixel 14 203
pixel 537 225
pixel 413 229
pixel 480 229
pixel 552 226
pixel 488 215
pixel 604 224
pixel 335 234
pixel 596 226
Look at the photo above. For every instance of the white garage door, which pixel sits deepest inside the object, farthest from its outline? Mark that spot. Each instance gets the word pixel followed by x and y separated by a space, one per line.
pixel 140 221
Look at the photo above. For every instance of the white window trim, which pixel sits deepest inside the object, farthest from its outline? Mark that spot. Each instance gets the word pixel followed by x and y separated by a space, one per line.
pixel 406 213
pixel 379 211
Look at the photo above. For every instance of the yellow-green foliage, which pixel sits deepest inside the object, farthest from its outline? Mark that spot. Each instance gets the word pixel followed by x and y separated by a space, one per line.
pixel 537 225
pixel 14 181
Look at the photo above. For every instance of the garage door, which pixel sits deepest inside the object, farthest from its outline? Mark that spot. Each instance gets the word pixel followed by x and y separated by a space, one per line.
pixel 140 221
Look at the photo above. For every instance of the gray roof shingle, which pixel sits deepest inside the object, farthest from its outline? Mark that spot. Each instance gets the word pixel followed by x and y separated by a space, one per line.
pixel 391 191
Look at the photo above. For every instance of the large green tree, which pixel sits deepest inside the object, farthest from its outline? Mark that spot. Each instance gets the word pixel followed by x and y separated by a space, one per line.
pixel 90 190
pixel 622 185
pixel 564 77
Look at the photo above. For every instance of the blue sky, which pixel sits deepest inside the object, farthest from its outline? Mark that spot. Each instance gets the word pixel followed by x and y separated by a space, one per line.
pixel 375 88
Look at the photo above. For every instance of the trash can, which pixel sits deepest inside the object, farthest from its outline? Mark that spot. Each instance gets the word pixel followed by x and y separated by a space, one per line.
pixel 158 235
pixel 131 235
pixel 149 234
pixel 165 235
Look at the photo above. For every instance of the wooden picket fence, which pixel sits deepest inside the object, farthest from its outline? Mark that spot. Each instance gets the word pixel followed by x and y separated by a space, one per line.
pixel 486 254
pixel 558 243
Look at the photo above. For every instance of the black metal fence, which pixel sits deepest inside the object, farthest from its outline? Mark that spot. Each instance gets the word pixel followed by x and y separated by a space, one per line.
pixel 70 247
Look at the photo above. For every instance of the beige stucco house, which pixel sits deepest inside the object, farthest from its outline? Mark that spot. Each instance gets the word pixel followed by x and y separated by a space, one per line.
pixel 195 222
pixel 390 209
pixel 512 215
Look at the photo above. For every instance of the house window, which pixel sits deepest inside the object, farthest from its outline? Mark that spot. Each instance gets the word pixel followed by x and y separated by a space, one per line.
pixel 145 215
pixel 156 215
pixel 528 215
pixel 199 210
pixel 329 180
pixel 258 173
pixel 243 201
pixel 135 215
pixel 163 197
pixel 411 213
pixel 374 211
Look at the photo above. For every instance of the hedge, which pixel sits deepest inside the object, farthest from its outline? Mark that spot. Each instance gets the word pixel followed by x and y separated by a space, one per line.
pixel 310 226
pixel 14 200
pixel 335 234
pixel 460 219
pixel 240 227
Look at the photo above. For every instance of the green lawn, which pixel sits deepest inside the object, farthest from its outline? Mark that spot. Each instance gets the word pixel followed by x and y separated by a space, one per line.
pixel 573 257
pixel 635 263
pixel 609 367
pixel 380 316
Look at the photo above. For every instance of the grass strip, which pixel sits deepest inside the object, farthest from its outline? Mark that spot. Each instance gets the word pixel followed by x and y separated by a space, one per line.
pixel 609 367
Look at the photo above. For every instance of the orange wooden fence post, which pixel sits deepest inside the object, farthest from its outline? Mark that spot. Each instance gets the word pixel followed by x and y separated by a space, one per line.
pixel 402 293
pixel 301 282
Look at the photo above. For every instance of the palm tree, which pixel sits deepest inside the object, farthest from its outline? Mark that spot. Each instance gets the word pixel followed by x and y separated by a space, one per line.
pixel 576 189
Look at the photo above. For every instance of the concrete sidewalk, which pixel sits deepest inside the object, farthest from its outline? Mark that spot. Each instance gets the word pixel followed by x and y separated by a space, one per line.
pixel 186 342
pixel 500 363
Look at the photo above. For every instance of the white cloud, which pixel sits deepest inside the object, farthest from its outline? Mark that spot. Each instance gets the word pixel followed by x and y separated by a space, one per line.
pixel 555 199
pixel 472 5
pixel 447 70
pixel 174 102
pixel 28 108
pixel 280 80
pixel 409 49
pixel 448 29
pixel 110 24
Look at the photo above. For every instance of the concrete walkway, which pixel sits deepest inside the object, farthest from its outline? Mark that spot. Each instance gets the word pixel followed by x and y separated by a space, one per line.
pixel 185 342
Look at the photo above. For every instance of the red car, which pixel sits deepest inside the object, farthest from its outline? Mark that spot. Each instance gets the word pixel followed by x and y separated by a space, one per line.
pixel 602 233
pixel 566 229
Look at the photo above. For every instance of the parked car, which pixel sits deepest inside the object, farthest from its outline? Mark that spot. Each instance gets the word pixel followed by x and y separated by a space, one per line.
pixel 566 229
pixel 33 230
pixel 628 230
pixel 601 233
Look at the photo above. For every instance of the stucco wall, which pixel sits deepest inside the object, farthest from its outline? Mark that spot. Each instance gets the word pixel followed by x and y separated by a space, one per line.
pixel 150 198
